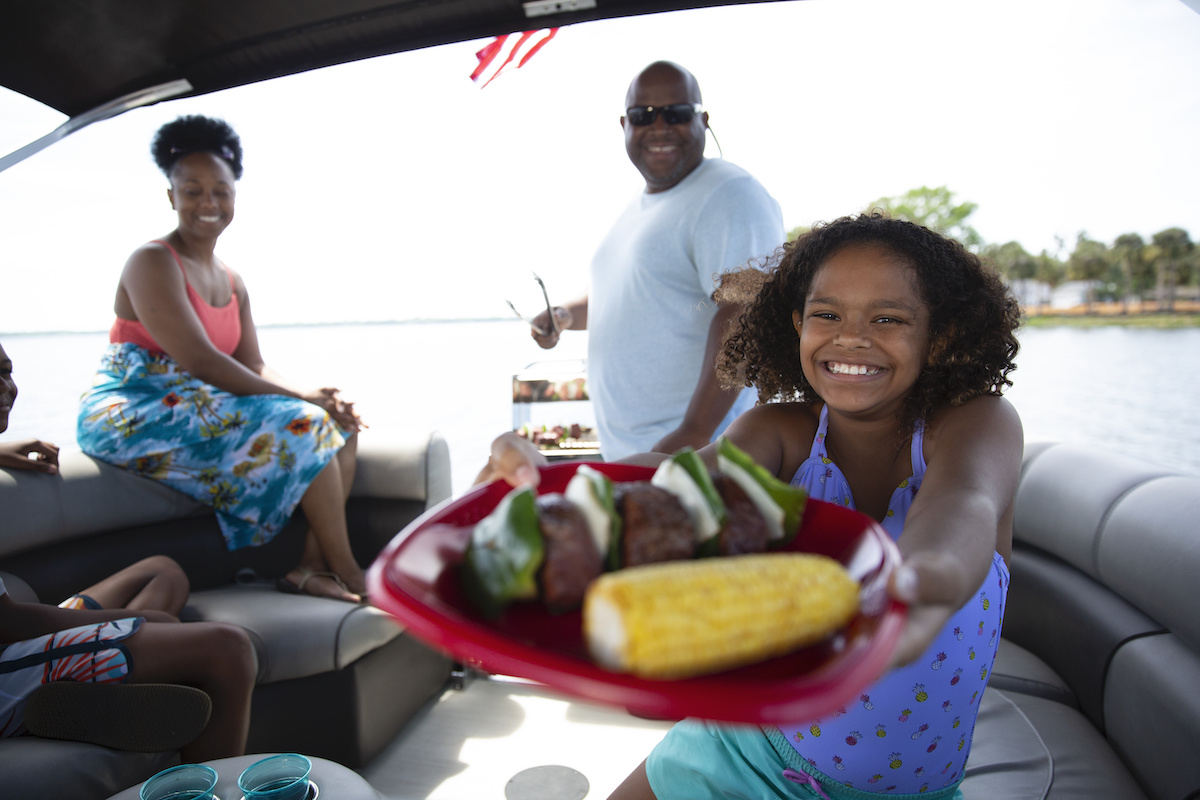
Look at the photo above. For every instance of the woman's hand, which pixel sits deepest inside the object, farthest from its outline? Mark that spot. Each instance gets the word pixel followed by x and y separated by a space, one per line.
pixel 340 410
pixel 31 454
pixel 514 459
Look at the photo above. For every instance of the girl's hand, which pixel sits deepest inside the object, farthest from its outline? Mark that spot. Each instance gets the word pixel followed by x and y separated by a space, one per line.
pixel 931 585
pixel 514 459
pixel 31 454
pixel 340 410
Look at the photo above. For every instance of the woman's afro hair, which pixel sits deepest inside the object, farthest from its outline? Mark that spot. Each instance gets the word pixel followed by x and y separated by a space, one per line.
pixel 972 315
pixel 196 134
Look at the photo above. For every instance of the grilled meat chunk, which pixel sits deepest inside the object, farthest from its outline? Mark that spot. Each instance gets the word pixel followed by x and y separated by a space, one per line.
pixel 744 530
pixel 657 526
pixel 571 559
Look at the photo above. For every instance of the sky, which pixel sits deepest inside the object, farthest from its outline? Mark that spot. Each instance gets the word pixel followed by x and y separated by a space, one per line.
pixel 395 188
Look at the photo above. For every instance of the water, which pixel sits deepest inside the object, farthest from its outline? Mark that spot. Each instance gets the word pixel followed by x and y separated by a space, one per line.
pixel 1128 391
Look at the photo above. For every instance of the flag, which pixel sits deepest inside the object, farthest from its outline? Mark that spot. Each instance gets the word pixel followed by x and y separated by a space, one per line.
pixel 509 51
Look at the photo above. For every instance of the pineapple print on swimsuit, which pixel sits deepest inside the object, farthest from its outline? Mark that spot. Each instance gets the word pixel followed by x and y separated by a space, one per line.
pixel 917 713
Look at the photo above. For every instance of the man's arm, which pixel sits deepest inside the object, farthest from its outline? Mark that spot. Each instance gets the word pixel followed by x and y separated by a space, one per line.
pixel 571 317
pixel 710 402
pixel 740 224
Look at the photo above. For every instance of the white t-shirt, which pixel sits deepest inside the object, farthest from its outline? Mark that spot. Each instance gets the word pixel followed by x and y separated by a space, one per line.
pixel 650 300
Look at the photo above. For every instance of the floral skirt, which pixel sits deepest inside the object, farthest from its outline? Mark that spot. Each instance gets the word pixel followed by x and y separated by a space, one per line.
pixel 249 457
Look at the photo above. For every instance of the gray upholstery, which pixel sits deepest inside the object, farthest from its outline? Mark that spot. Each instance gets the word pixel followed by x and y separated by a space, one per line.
pixel 335 679
pixel 1076 761
pixel 1018 670
pixel 1065 496
pixel 1155 531
pixel 33 769
pixel 1101 644
pixel 1152 703
pixel 295 635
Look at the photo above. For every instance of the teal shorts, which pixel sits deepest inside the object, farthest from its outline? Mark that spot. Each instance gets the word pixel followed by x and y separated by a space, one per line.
pixel 699 759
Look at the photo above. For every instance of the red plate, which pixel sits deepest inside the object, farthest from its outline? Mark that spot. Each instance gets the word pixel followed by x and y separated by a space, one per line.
pixel 415 578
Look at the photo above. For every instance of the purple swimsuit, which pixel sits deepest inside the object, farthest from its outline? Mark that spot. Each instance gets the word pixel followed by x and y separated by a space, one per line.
pixel 910 732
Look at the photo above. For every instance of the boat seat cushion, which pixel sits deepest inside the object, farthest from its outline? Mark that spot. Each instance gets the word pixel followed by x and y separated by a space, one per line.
pixel 1033 748
pixel 1019 670
pixel 295 636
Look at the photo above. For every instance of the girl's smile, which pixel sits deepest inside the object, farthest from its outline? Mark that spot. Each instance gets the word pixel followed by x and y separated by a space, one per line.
pixel 839 368
pixel 864 331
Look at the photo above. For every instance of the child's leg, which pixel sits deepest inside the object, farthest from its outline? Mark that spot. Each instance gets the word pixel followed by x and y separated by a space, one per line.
pixel 156 583
pixel 634 787
pixel 211 656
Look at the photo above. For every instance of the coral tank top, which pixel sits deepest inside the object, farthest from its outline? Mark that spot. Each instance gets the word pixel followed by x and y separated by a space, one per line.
pixel 223 324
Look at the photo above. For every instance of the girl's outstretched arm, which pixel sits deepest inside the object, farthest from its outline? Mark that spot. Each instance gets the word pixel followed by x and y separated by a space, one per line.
pixel 962 514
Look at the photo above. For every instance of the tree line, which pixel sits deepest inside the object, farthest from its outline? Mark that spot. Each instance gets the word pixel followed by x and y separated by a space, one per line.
pixel 1127 270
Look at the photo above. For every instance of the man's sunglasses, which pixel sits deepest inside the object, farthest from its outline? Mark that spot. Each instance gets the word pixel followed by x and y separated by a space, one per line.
pixel 675 114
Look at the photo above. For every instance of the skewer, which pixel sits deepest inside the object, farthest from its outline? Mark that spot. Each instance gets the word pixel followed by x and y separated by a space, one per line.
pixel 540 331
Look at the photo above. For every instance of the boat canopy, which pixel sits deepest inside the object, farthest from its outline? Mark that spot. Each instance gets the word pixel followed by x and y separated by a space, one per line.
pixel 93 59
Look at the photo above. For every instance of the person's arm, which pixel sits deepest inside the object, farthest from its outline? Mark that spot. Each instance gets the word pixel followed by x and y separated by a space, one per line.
pixel 962 514
pixel 710 401
pixel 739 224
pixel 768 434
pixel 249 355
pixel 157 294
pixel 31 454
pixel 571 317
pixel 516 460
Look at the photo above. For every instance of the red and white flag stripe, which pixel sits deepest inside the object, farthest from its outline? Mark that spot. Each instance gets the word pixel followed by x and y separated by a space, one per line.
pixel 509 51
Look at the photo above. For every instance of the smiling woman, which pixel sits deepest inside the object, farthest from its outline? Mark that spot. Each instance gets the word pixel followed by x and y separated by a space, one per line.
pixel 183 395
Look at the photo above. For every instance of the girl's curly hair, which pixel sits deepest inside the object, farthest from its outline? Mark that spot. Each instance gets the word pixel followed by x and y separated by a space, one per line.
pixel 972 315
pixel 196 134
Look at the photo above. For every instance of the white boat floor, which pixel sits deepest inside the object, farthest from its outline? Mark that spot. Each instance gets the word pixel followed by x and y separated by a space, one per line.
pixel 473 741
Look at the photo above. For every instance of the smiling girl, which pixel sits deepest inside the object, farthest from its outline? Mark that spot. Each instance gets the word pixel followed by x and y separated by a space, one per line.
pixel 880 350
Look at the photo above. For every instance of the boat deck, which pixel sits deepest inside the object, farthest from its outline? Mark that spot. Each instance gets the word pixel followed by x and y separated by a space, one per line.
pixel 474 740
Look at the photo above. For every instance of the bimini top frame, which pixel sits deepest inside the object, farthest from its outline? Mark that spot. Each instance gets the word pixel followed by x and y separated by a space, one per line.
pixel 94 59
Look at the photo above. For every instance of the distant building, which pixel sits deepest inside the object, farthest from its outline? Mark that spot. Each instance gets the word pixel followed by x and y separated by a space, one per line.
pixel 1038 295
pixel 1071 294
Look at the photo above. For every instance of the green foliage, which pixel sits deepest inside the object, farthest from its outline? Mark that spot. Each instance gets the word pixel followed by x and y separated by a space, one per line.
pixel 1175 255
pixel 797 232
pixel 1050 270
pixel 1010 260
pixel 936 210
pixel 1131 267
pixel 1128 255
pixel 1089 261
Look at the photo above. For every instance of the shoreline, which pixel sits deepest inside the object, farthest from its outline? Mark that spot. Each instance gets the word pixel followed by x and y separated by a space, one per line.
pixel 1186 314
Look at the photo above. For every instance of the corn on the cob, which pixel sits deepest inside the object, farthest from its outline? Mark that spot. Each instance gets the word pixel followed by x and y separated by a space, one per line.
pixel 684 618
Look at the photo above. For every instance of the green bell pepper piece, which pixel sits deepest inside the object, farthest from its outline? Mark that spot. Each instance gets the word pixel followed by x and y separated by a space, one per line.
pixel 504 555
pixel 790 498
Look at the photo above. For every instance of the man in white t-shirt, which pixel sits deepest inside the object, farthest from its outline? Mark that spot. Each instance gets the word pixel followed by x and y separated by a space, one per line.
pixel 654 328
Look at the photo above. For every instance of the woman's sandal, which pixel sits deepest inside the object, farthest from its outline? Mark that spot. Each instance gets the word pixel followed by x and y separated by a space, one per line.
pixel 286 586
pixel 139 717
